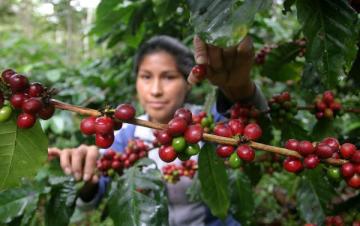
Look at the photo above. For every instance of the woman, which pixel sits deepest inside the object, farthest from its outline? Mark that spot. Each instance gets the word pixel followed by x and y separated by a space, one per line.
pixel 161 68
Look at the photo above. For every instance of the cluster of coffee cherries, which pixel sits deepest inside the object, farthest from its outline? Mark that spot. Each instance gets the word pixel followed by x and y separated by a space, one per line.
pixel 31 99
pixel 260 57
pixel 337 220
pixel 327 148
pixel 282 107
pixel 205 120
pixel 173 172
pixel 180 138
pixel 103 126
pixel 245 113
pixel 326 106
pixel 302 44
pixel 116 161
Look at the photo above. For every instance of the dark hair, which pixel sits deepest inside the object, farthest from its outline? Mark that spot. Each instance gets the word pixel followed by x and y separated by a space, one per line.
pixel 183 56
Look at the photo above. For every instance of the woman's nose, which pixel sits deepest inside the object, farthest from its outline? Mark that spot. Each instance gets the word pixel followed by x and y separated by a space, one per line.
pixel 156 88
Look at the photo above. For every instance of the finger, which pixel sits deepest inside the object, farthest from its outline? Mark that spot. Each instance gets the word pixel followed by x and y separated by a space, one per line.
pixel 245 48
pixel 193 79
pixel 90 163
pixel 229 56
pixel 201 56
pixel 53 153
pixel 65 161
pixel 215 56
pixel 77 159
pixel 95 179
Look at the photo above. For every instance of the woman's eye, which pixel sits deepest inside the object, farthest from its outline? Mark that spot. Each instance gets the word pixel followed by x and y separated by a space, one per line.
pixel 145 77
pixel 170 77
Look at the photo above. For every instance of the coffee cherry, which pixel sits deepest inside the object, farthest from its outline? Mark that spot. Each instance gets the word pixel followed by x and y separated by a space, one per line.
pixel 234 161
pixel 167 153
pixel 311 161
pixel 18 99
pixel 109 154
pixel 179 144
pixel 32 106
pixel 354 181
pixel 6 74
pixel 185 114
pixel 199 71
pixel 87 125
pixel 35 89
pixel 236 127
pixel 292 164
pixel 125 112
pixel 335 106
pixel 347 150
pixel 47 112
pixel 164 137
pixel 117 124
pixel 246 153
pixel 333 143
pixel 355 158
pixel 18 83
pixel 224 151
pixel 222 130
pixel 328 97
pixel 104 140
pixel 292 144
pixel 193 134
pixel 323 151
pixel 104 125
pixel 116 165
pixel 177 126
pixel 183 156
pixel 337 220
pixel 328 113
pixel 5 113
pixel 252 131
pixel 2 99
pixel 192 149
pixel 25 120
pixel 305 148
pixel 347 170
pixel 334 174
pixel 320 106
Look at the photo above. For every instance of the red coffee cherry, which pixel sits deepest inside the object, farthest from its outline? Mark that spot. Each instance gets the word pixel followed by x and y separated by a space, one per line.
pixel 87 125
pixel 167 153
pixel 320 106
pixel 236 127
pixel 357 168
pixel 328 97
pixel 47 112
pixel 222 130
pixel 199 71
pixel 224 151
pixel 185 114
pixel 32 105
pixel 355 157
pixel 104 125
pixel 125 112
pixel 311 161
pixel 323 151
pixel 6 74
pixel 305 148
pixel 25 120
pixel 354 181
pixel 18 83
pixel 333 143
pixel 18 99
pixel 335 106
pixel 292 144
pixel 347 169
pixel 116 165
pixel 252 131
pixel 337 220
pixel 104 140
pixel 35 89
pixel 193 134
pixel 177 126
pixel 164 137
pixel 347 150
pixel 109 154
pixel 292 164
pixel 246 153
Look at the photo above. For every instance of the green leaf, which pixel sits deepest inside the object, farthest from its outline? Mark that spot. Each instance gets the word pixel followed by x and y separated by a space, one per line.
pixel 61 205
pixel 314 193
pixel 22 152
pixel 277 65
pixel 242 200
pixel 322 129
pixel 214 181
pixel 224 23
pixel 127 206
pixel 287 5
pixel 355 71
pixel 19 203
pixel 329 27
pixel 293 130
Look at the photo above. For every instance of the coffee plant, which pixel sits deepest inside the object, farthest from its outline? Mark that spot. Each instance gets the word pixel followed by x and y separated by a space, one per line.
pixel 302 149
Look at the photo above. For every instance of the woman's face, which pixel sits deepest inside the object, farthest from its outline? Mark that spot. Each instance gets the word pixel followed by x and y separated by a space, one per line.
pixel 161 88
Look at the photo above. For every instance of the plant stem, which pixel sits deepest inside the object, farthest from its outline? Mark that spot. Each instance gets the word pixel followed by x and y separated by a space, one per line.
pixel 206 136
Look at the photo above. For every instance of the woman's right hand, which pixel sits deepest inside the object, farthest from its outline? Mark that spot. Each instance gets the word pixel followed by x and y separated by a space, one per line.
pixel 79 162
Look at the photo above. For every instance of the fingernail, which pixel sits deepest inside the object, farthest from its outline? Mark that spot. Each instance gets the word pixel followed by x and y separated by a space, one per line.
pixel 201 60
pixel 86 177
pixel 77 176
pixel 67 171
